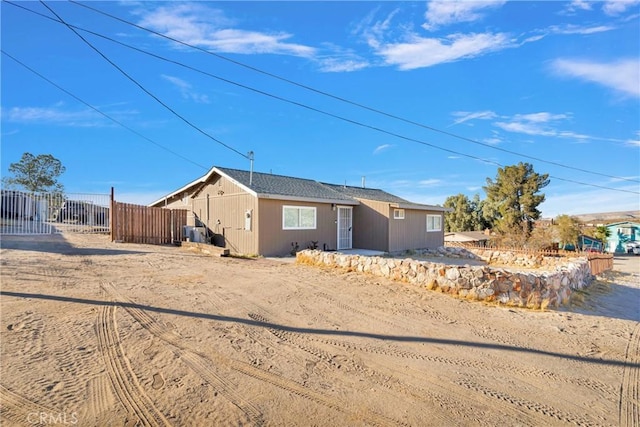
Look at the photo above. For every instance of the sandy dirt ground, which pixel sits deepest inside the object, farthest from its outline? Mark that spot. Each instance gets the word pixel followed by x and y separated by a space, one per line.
pixel 95 333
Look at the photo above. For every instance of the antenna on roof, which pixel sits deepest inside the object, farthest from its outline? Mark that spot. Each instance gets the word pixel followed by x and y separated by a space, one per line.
pixel 250 156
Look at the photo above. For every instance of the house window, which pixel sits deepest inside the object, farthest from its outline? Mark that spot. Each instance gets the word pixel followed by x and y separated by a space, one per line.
pixel 298 218
pixel 398 214
pixel 434 223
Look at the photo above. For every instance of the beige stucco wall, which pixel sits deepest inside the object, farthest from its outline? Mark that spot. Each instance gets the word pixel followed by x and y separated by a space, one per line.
pixel 371 225
pixel 411 232
pixel 222 206
pixel 274 241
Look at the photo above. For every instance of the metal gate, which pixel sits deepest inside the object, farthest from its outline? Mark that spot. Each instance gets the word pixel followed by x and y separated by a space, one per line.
pixel 345 222
pixel 45 213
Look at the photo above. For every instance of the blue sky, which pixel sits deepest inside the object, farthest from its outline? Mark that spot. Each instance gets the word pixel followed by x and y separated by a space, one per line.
pixel 440 94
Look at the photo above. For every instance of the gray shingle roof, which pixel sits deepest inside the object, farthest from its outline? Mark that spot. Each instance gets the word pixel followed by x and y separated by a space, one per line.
pixel 367 193
pixel 264 183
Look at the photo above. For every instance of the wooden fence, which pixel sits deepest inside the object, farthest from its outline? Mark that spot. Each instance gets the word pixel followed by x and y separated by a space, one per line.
pixel 599 263
pixel 142 224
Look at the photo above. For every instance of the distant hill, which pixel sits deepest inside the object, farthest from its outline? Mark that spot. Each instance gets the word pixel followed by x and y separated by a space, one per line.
pixel 609 217
pixel 600 218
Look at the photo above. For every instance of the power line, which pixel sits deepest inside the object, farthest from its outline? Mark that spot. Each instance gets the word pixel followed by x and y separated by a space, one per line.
pixel 307 107
pixel 347 101
pixel 100 112
pixel 260 92
pixel 134 81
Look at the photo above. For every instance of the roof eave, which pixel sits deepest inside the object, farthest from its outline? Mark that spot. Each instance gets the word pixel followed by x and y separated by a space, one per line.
pixel 200 180
pixel 418 207
pixel 308 199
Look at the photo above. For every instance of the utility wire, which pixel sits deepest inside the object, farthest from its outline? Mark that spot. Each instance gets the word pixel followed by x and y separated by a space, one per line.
pixel 321 111
pixel 134 81
pixel 101 112
pixel 347 101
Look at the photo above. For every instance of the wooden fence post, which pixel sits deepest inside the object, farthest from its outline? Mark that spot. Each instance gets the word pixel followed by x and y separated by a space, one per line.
pixel 112 225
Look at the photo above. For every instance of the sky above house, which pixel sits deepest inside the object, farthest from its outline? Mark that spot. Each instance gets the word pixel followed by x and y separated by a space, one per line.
pixel 424 100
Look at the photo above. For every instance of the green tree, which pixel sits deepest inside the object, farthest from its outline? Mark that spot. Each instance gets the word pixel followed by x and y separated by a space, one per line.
pixel 568 230
pixel 462 216
pixel 480 221
pixel 513 200
pixel 541 238
pixel 602 233
pixel 36 173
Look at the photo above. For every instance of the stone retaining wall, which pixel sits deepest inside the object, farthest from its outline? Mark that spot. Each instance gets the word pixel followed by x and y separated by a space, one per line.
pixel 532 289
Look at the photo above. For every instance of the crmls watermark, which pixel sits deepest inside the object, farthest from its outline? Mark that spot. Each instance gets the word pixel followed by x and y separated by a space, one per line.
pixel 52 418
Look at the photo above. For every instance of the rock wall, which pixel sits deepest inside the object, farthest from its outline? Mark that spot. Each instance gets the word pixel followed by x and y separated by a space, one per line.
pixel 539 289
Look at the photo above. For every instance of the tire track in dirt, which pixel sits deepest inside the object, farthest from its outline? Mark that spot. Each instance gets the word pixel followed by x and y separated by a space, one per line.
pixel 485 365
pixel 123 379
pixel 302 342
pixel 198 362
pixel 494 336
pixel 526 405
pixel 202 363
pixel 19 409
pixel 100 399
pixel 460 404
pixel 421 394
pixel 629 404
pixel 348 308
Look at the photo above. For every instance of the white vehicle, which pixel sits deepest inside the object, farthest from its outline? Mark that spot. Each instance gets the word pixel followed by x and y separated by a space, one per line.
pixel 633 248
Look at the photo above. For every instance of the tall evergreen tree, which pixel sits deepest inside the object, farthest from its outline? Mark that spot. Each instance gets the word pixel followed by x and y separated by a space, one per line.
pixel 461 218
pixel 513 200
pixel 480 221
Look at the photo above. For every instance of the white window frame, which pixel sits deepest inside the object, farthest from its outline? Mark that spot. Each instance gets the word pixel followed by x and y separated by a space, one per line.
pixel 300 209
pixel 398 214
pixel 430 226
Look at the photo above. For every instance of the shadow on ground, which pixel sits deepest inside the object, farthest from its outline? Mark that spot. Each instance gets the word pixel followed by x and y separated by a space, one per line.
pixel 54 243
pixel 128 305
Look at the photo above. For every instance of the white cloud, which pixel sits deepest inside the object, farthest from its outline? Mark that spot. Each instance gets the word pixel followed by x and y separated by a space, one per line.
pixel 578 29
pixel 380 148
pixel 199 25
pixel 581 5
pixel 464 116
pixel 440 13
pixel 338 65
pixel 545 124
pixel 543 117
pixel 54 116
pixel 577 6
pixel 186 89
pixel 340 60
pixel 634 142
pixel 429 182
pixel 492 141
pixel 419 52
pixel 617 7
pixel 539 124
pixel 623 76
